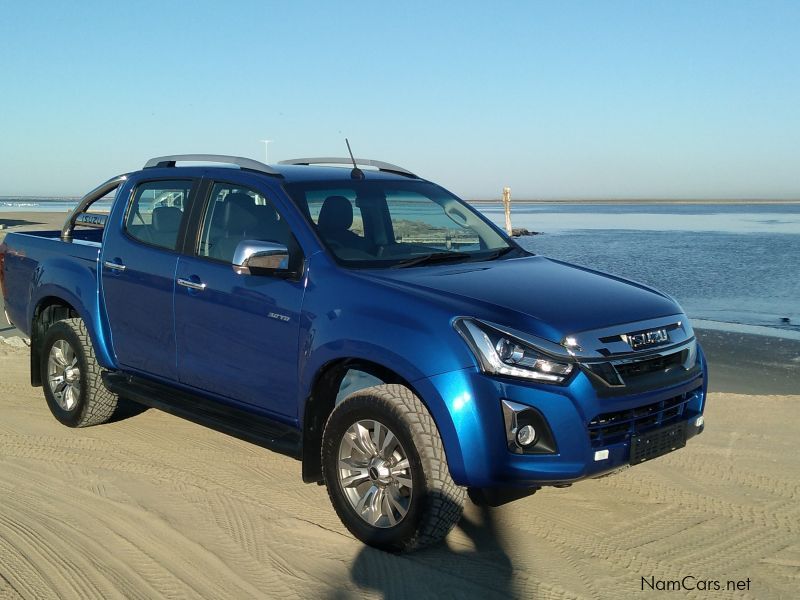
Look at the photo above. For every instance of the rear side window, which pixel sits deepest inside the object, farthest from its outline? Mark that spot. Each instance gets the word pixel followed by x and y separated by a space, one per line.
pixel 156 212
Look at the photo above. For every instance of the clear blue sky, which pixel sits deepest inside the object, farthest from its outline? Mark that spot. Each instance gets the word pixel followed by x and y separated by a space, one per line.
pixel 557 100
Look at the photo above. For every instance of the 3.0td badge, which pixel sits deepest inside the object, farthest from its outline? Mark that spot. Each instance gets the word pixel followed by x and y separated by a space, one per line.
pixel 646 339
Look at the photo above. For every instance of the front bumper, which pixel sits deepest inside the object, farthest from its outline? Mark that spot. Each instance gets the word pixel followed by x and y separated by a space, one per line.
pixel 466 405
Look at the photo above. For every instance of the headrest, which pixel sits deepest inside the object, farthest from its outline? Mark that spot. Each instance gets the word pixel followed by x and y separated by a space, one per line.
pixel 240 199
pixel 336 214
pixel 236 218
pixel 167 219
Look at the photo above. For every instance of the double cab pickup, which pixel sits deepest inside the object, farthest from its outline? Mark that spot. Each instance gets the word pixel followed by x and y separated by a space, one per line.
pixel 361 319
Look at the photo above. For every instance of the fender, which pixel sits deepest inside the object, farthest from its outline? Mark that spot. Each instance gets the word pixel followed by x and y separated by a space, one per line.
pixel 405 370
pixel 81 296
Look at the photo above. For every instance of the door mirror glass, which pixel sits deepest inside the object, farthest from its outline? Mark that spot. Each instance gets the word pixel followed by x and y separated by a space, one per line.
pixel 254 257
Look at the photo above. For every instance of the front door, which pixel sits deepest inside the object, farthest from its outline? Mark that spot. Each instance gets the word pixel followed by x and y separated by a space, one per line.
pixel 138 275
pixel 237 335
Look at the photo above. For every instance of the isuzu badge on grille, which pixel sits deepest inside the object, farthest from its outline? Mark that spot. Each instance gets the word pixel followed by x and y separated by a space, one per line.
pixel 646 338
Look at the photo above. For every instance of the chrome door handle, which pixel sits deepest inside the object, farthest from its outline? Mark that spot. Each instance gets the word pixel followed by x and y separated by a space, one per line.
pixel 115 266
pixel 191 284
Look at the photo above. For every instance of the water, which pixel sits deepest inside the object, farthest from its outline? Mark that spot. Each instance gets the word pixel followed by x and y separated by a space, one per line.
pixel 726 264
pixel 10 204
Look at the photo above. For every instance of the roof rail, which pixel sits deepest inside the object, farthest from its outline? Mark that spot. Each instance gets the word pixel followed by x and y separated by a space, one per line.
pixel 332 160
pixel 241 162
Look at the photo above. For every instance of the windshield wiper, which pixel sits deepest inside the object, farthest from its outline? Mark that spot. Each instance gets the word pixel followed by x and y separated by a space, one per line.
pixel 429 259
pixel 496 253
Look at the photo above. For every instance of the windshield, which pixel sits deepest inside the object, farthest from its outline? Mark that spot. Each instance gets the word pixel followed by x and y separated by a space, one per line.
pixel 381 223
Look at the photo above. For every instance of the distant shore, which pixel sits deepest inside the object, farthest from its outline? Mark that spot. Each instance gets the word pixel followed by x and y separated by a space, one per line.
pixel 42 201
pixel 636 201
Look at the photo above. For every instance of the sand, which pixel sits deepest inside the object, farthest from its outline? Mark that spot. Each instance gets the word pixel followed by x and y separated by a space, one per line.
pixel 30 221
pixel 153 506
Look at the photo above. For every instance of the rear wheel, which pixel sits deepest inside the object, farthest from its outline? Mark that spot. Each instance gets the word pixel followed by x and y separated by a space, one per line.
pixel 71 376
pixel 386 471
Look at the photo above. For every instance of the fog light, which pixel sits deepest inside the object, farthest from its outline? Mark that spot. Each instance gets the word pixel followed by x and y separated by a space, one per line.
pixel 601 455
pixel 700 421
pixel 526 435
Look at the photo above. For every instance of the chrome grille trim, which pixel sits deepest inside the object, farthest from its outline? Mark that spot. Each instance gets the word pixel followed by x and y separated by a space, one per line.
pixel 608 343
pixel 639 369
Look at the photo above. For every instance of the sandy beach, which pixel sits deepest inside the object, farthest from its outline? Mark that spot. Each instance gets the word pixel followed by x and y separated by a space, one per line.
pixel 152 506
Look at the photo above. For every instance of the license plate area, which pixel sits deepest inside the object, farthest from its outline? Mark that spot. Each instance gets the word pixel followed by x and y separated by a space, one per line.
pixel 657 443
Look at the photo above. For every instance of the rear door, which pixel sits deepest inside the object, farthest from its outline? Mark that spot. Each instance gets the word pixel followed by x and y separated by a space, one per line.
pixel 237 335
pixel 139 258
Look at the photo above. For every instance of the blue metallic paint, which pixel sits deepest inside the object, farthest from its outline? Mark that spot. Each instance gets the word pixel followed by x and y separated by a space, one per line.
pixel 53 274
pixel 466 406
pixel 230 339
pixel 138 300
pixel 539 295
pixel 400 319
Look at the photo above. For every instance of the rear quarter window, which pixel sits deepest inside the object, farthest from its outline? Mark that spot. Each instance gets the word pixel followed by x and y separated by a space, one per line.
pixel 156 212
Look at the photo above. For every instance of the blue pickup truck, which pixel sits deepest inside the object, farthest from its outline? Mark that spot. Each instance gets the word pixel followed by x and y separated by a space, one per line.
pixel 361 319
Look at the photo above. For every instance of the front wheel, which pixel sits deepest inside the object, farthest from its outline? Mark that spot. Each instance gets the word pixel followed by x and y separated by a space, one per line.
pixel 71 376
pixel 386 471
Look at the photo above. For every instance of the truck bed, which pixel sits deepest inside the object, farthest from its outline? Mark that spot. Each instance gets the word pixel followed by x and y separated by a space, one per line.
pixel 36 263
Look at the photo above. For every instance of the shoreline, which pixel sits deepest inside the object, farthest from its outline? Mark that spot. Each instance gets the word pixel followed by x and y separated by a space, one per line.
pixel 633 201
pixel 39 205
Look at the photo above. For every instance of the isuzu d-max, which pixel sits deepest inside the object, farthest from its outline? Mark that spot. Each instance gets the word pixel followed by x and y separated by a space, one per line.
pixel 363 320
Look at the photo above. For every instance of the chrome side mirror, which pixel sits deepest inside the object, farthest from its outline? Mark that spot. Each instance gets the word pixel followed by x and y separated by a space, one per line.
pixel 254 257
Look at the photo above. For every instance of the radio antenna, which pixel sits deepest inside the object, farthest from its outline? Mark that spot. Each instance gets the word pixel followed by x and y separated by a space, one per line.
pixel 356 173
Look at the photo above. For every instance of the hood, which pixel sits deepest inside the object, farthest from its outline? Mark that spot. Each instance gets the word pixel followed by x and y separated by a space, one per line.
pixel 543 296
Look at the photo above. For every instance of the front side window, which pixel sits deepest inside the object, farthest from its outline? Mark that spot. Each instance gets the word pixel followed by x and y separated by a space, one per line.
pixel 236 213
pixel 374 223
pixel 156 212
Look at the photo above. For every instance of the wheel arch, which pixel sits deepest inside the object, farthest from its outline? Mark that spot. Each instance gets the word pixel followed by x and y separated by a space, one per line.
pixel 325 390
pixel 47 311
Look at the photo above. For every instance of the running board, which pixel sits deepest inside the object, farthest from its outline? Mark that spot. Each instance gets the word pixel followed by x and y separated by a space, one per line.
pixel 244 425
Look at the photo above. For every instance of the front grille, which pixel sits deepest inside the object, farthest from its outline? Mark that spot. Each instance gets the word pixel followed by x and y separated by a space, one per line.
pixel 645 367
pixel 614 427
pixel 652 371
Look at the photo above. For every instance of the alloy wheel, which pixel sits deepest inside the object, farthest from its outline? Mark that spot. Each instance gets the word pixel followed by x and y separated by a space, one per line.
pixel 64 375
pixel 375 474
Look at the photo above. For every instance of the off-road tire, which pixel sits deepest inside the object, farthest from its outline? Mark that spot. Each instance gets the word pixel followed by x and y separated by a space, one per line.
pixel 95 404
pixel 437 502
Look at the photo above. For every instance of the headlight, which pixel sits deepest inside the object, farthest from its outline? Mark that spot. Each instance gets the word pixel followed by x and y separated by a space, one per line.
pixel 499 353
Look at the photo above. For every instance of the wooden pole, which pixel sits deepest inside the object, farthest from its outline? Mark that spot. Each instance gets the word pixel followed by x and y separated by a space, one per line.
pixel 507 206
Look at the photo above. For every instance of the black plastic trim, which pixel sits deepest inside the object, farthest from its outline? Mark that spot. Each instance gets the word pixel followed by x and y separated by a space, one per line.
pixel 545 442
pixel 651 382
pixel 242 424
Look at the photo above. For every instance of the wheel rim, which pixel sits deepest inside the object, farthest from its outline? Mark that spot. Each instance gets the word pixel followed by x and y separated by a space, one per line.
pixel 375 474
pixel 64 375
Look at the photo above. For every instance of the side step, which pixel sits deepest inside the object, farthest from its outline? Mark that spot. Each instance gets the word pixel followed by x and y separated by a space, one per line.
pixel 241 424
